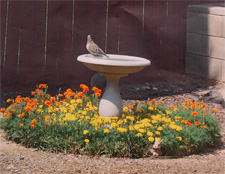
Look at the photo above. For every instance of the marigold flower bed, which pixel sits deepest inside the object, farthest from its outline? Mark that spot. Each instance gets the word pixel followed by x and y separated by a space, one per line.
pixel 70 122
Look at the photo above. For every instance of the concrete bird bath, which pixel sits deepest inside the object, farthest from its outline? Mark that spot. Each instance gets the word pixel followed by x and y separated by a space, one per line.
pixel 113 68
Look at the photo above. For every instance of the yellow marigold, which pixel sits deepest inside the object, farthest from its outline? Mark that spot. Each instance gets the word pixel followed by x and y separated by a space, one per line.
pixel 72 101
pixel 150 108
pixel 131 128
pixel 158 139
pixel 151 139
pixel 131 118
pixel 157 133
pixel 125 109
pixel 179 128
pixel 121 129
pixel 86 140
pixel 85 132
pixel 154 121
pixel 139 135
pixel 142 130
pixel 136 102
pixel 179 138
pixel 160 128
pixel 168 112
pixel 114 125
pixel 150 134
pixel 106 131
pixel 87 117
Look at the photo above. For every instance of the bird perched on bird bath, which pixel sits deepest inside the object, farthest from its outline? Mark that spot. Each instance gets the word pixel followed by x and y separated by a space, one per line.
pixel 93 48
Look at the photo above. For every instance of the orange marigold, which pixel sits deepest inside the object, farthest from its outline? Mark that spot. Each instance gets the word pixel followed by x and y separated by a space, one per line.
pixel 95 89
pixel 2 109
pixel 188 103
pixel 21 115
pixel 40 93
pixel 97 94
pixel 194 114
pixel 197 123
pixel 48 103
pixel 52 99
pixel 172 107
pixel 60 95
pixel 34 121
pixel 57 104
pixel 21 125
pixel 189 124
pixel 42 85
pixel 8 100
pixel 32 126
pixel 153 100
pixel 79 95
pixel 185 107
pixel 47 117
pixel 215 111
pixel 131 107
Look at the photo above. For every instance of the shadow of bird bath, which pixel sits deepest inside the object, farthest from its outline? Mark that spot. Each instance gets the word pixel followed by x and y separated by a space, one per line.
pixel 113 68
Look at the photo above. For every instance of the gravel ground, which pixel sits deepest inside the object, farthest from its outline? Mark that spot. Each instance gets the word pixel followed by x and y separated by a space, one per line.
pixel 15 158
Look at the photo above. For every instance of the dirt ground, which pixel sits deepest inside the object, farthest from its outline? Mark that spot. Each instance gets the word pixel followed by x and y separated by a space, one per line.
pixel 15 158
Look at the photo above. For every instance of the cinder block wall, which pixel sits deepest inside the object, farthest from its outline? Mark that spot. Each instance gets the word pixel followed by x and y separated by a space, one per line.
pixel 205 48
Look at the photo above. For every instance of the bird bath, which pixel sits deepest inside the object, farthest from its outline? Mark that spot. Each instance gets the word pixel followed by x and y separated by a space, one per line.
pixel 113 68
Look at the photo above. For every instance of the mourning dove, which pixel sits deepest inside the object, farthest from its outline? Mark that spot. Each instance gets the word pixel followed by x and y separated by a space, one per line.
pixel 94 48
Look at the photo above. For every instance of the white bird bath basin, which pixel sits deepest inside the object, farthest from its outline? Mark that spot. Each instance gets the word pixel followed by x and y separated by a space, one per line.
pixel 113 68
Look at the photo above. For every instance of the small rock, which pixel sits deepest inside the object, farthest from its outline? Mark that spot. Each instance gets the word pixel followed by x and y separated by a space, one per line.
pixel 154 88
pixel 181 89
pixel 210 87
pixel 145 88
pixel 137 89
pixel 22 158
pixel 213 97
pixel 11 167
pixel 223 104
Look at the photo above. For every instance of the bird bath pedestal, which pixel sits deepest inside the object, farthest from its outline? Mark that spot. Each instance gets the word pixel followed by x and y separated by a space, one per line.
pixel 113 68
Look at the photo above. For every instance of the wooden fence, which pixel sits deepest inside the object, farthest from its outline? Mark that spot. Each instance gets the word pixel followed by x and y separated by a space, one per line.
pixel 40 40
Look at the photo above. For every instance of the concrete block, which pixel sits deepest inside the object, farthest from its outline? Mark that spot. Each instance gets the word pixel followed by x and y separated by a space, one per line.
pixel 215 8
pixel 204 66
pixel 204 24
pixel 223 70
pixel 206 45
pixel 223 27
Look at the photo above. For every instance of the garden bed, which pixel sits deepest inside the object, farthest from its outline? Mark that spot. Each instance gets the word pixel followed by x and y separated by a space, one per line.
pixel 202 164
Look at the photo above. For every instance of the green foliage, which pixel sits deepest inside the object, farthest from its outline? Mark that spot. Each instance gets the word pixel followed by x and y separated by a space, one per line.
pixel 70 123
